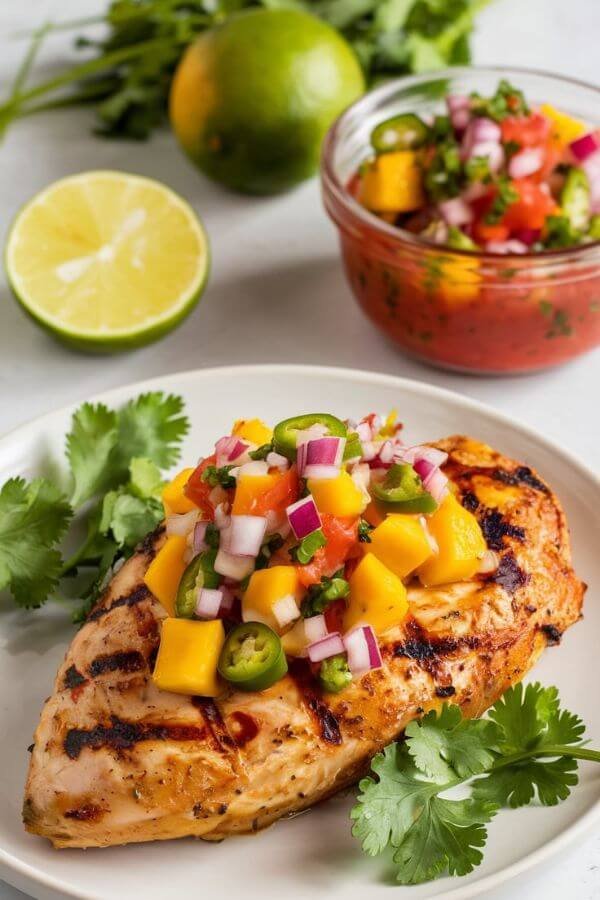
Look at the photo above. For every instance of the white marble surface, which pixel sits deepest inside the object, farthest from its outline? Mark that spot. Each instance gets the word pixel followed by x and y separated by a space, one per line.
pixel 276 292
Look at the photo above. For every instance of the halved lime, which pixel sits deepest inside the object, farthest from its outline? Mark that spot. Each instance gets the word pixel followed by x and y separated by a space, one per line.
pixel 107 261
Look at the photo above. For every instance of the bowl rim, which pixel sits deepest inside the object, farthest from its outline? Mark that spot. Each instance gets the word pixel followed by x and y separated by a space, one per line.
pixel 331 183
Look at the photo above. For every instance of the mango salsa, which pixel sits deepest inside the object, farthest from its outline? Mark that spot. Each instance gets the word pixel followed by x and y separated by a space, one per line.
pixel 401 544
pixel 377 596
pixel 460 541
pixel 564 128
pixel 393 183
pixel 253 430
pixel 337 496
pixel 173 497
pixel 188 655
pixel 265 588
pixel 164 572
pixel 249 489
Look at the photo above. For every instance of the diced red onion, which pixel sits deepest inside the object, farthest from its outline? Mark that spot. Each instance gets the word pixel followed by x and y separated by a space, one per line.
pixel 227 601
pixel 431 454
pixel 286 610
pixel 235 567
pixel 324 451
pixel 303 517
pixel 584 146
pixel 326 647
pixel 181 524
pixel 221 517
pixel 322 472
pixel 277 461
pixel 482 129
pixel 257 467
pixel 361 476
pixel 315 629
pixel 456 211
pixel 437 485
pixel 363 650
pixel 229 449
pixel 208 603
pixel 459 111
pixel 511 246
pixel 424 469
pixel 591 167
pixel 526 162
pixel 199 535
pixel 310 434
pixel 491 151
pixel 245 535
pixel 527 236
pixel 364 432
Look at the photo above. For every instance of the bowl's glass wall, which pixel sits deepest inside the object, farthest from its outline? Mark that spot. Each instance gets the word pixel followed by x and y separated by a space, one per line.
pixel 479 312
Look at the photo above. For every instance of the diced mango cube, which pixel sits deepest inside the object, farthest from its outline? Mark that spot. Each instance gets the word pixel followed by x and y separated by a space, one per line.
pixel 377 596
pixel 294 641
pixel 249 488
pixel 337 496
pixel 164 572
pixel 188 655
pixel 393 183
pixel 564 128
pixel 265 588
pixel 174 499
pixel 460 541
pixel 253 430
pixel 400 543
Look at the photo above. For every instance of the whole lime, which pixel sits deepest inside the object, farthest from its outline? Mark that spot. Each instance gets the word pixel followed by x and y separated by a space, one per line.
pixel 253 98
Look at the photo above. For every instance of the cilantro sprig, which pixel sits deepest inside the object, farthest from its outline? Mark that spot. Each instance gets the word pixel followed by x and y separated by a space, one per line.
pixel 129 73
pixel 115 459
pixel 526 749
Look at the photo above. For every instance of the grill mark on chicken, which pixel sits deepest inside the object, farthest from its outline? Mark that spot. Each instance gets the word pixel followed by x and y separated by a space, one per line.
pixel 245 728
pixel 427 652
pixel 520 475
pixel 214 722
pixel 448 691
pixel 470 501
pixel 495 528
pixel 123 661
pixel 137 595
pixel 552 633
pixel 329 726
pixel 122 735
pixel 509 574
pixel 73 678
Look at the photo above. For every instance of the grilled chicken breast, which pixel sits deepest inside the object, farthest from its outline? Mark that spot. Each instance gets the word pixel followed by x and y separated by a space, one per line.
pixel 116 760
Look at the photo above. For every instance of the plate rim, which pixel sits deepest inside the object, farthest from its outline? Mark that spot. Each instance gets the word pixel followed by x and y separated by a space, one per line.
pixel 10 864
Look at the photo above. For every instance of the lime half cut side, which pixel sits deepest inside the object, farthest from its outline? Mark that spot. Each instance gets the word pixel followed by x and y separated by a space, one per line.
pixel 107 261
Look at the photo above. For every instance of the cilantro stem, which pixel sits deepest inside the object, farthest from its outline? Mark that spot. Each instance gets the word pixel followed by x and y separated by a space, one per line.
pixel 575 752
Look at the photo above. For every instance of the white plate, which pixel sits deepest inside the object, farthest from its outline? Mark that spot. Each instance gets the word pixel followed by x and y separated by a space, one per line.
pixel 313 854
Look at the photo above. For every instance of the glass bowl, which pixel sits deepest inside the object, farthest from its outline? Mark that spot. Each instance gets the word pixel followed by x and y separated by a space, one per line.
pixel 465 310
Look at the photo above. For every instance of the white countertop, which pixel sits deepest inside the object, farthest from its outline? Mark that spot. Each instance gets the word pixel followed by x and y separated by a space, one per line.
pixel 276 292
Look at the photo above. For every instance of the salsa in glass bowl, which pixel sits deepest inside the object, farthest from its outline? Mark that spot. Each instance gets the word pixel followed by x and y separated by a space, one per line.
pixel 467 205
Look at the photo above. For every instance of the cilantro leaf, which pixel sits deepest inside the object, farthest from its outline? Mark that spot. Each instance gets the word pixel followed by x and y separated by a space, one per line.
pixel 530 718
pixel 129 518
pixel 145 478
pixel 444 745
pixel 517 785
pixel 90 448
pixel 430 834
pixel 151 426
pixel 33 518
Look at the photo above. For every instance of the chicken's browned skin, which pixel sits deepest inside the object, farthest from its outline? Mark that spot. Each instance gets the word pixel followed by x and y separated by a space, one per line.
pixel 116 760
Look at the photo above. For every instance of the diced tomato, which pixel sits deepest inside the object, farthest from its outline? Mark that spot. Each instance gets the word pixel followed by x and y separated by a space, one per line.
pixel 284 492
pixel 334 615
pixel 342 539
pixel 198 491
pixel 526 131
pixel 482 232
pixel 532 208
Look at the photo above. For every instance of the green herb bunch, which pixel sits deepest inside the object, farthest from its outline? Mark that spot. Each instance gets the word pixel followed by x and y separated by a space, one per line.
pixel 129 72
pixel 115 460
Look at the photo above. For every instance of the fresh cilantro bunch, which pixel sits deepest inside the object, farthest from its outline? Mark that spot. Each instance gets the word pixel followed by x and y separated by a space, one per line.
pixel 115 459
pixel 526 749
pixel 129 74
